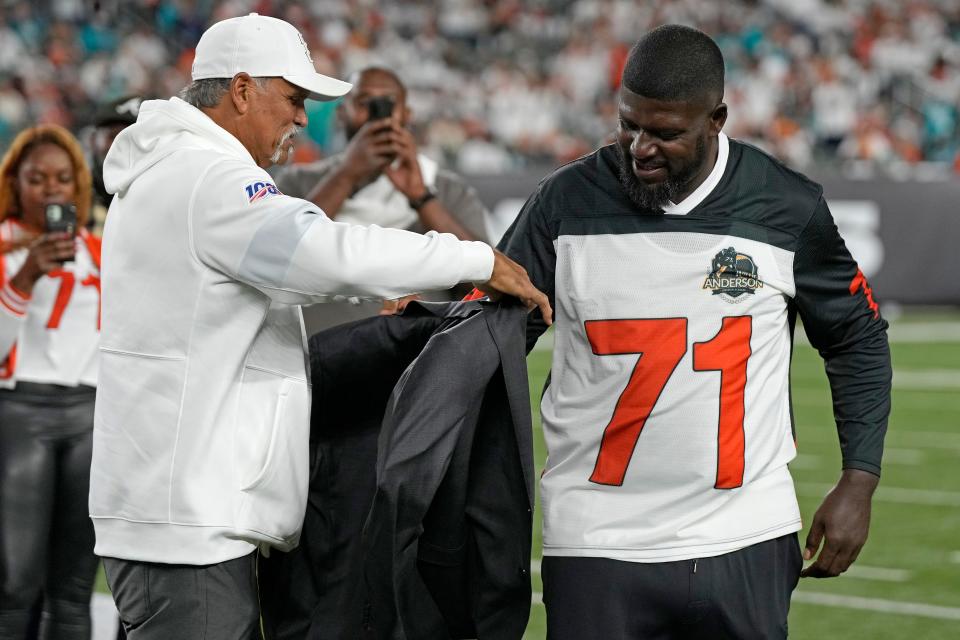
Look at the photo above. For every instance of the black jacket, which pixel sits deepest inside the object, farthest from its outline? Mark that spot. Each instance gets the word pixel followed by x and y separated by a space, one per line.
pixel 431 538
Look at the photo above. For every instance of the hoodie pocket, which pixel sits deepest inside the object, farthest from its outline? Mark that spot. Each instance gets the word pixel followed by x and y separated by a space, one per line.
pixel 271 451
pixel 275 427
pixel 135 437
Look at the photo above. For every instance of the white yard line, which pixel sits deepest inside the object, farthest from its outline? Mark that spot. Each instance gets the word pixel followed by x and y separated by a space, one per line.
pixel 927 439
pixel 914 332
pixel 104 614
pixel 880 574
pixel 926 379
pixel 925 332
pixel 920 609
pixel 908 379
pixel 894 455
pixel 911 439
pixel 892 494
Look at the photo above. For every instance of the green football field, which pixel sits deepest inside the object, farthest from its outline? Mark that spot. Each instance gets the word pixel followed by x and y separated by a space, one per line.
pixel 906 582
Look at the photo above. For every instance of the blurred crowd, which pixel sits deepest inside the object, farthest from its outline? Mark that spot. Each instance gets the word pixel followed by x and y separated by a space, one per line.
pixel 500 84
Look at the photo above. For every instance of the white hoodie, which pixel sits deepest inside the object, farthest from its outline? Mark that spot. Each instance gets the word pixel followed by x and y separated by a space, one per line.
pixel 203 404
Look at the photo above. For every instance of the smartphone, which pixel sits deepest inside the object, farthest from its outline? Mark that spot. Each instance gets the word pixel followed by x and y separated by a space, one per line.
pixel 61 218
pixel 380 107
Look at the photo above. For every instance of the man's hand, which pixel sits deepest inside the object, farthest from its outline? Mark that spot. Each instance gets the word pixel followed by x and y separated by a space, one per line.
pixel 393 307
pixel 369 152
pixel 509 278
pixel 405 173
pixel 374 147
pixel 844 520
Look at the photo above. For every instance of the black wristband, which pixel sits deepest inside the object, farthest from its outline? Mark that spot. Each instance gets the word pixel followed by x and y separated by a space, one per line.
pixel 422 200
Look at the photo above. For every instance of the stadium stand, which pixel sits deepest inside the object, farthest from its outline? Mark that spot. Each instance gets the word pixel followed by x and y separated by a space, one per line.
pixel 502 84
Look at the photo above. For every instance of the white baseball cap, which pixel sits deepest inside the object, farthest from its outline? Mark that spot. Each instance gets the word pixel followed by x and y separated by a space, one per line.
pixel 263 47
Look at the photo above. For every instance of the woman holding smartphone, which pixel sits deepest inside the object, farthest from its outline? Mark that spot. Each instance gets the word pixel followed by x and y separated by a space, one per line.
pixel 49 329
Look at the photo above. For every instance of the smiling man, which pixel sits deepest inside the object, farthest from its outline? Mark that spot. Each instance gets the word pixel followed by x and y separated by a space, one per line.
pixel 200 445
pixel 668 147
pixel 679 261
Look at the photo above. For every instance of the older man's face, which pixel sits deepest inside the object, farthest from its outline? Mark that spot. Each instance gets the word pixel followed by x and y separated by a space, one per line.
pixel 278 114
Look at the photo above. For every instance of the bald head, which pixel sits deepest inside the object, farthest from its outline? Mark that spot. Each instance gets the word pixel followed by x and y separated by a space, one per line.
pixel 376 75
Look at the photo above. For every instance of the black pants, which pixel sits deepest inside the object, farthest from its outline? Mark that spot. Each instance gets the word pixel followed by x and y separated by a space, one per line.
pixel 46 536
pixel 187 602
pixel 740 595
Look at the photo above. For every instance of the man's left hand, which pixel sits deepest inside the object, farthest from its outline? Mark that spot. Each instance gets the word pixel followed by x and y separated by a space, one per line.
pixel 843 519
pixel 404 173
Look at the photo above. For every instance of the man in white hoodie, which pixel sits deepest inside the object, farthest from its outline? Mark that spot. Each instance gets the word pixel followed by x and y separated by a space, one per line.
pixel 203 403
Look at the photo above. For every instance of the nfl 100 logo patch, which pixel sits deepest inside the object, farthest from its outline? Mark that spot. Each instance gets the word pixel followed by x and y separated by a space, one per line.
pixel 257 191
pixel 733 276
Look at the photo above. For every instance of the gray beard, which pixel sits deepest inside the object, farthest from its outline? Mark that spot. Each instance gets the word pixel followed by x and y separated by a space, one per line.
pixel 652 198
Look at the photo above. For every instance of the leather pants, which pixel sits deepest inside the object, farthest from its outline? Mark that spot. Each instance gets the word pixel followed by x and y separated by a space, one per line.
pixel 46 536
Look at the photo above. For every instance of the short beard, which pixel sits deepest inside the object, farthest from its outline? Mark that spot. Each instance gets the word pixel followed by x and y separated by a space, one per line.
pixel 652 198
pixel 278 152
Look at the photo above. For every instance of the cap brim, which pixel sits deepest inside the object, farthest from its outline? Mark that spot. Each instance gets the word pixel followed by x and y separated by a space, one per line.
pixel 321 87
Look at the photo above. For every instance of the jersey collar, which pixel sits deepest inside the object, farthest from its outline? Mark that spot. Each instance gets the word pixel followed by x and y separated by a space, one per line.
pixel 699 194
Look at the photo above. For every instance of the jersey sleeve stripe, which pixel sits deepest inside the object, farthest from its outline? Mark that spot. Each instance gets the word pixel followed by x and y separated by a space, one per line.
pixel 15 301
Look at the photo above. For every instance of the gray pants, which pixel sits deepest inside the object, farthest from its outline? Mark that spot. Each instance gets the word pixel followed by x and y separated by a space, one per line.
pixel 187 602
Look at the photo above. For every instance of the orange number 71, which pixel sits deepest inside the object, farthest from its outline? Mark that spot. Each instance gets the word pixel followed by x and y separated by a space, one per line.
pixel 661 344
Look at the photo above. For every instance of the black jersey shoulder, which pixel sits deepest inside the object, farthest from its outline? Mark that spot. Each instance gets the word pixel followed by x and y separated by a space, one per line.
pixel 584 197
pixel 758 189
pixel 587 186
pixel 757 198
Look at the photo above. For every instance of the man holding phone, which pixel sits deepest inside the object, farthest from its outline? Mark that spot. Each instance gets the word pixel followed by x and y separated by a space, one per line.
pixel 381 178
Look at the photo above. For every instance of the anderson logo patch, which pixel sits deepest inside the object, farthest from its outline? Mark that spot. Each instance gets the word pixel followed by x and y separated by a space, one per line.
pixel 257 191
pixel 732 275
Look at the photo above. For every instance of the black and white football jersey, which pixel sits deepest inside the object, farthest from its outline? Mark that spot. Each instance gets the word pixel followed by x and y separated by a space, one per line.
pixel 667 413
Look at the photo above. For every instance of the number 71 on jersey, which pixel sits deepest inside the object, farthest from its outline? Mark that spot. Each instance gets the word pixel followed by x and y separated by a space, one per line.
pixel 661 344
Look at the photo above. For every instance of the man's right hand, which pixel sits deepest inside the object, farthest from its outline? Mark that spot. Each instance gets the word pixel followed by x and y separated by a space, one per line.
pixel 372 149
pixel 509 278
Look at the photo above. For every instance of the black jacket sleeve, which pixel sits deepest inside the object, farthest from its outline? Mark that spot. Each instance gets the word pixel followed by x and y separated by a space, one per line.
pixel 843 323
pixel 529 241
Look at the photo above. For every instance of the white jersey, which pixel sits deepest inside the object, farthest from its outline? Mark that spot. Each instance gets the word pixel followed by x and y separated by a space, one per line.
pixel 652 456
pixel 667 414
pixel 50 336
